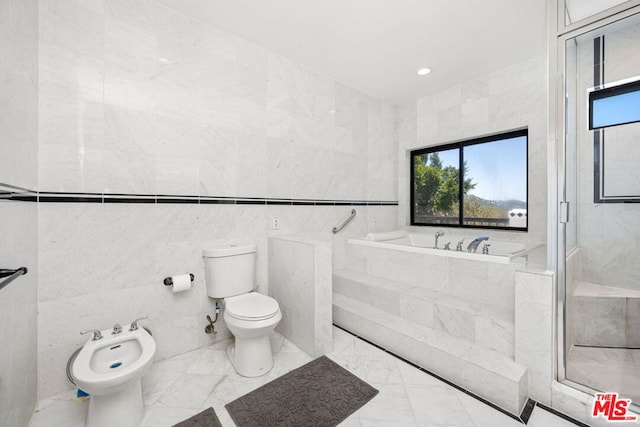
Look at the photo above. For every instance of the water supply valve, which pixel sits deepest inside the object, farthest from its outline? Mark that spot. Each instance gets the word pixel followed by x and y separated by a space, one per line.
pixel 210 328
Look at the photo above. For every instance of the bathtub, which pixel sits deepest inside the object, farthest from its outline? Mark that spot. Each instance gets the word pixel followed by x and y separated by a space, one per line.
pixel 500 251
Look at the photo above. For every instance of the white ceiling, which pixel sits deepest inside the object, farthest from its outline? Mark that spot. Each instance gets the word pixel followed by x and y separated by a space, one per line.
pixel 376 46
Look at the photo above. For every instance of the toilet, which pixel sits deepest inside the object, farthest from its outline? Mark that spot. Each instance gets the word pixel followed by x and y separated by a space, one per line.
pixel 109 368
pixel 249 316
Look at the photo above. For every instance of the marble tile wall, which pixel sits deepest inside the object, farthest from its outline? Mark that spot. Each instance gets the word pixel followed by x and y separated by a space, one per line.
pixel 19 100
pixel 18 313
pixel 508 99
pixel 136 98
pixel 158 103
pixel 534 330
pixel 300 279
pixel 18 220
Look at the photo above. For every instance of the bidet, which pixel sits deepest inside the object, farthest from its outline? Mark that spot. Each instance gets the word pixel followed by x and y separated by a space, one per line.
pixel 110 369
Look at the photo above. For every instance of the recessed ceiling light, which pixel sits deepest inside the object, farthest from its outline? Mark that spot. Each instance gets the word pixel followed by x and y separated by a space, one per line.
pixel 424 71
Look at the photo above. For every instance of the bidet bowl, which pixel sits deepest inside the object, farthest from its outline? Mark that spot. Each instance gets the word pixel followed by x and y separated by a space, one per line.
pixel 108 365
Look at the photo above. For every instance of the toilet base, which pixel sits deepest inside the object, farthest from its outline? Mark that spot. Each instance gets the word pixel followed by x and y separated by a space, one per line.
pixel 122 409
pixel 251 357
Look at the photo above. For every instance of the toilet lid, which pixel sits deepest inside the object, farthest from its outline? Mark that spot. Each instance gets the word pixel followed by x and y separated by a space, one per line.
pixel 251 306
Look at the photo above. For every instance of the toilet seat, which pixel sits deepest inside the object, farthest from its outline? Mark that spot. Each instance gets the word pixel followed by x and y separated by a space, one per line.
pixel 252 306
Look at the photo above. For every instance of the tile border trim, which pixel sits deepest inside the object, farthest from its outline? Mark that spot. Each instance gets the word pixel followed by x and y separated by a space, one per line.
pixel 13 193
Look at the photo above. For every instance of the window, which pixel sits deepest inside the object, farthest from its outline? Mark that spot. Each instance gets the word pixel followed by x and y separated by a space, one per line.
pixel 476 183
pixel 615 105
pixel 614 117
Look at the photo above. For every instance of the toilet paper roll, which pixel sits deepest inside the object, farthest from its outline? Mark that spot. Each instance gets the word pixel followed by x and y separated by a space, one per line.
pixel 181 283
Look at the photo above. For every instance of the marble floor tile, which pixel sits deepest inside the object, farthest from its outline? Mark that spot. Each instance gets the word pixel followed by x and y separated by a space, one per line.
pixel 176 388
pixel 484 415
pixel 437 405
pixel 159 416
pixel 542 418
pixel 54 413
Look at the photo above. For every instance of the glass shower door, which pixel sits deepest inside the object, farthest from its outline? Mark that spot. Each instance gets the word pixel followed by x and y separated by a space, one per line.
pixel 602 236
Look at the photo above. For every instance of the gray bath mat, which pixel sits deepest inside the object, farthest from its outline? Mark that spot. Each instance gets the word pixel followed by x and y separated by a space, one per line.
pixel 320 393
pixel 206 418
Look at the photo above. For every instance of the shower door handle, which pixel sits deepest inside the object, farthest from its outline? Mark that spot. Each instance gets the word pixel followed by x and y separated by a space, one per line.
pixel 564 212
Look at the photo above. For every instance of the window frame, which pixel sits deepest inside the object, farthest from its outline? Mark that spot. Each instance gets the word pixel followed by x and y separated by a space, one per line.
pixel 609 91
pixel 460 145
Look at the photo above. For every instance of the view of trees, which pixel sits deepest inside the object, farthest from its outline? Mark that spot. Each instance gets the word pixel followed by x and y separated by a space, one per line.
pixel 436 186
pixel 436 191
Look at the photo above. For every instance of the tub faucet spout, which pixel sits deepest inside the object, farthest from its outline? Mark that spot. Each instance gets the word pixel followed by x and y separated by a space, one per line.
pixel 438 234
pixel 473 246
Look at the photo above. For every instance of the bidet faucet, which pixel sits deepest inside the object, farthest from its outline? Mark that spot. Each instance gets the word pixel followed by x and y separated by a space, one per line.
pixel 134 324
pixel 438 234
pixel 96 334
pixel 473 246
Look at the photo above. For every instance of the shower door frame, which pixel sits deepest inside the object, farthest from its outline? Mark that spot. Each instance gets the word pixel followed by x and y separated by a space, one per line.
pixel 557 225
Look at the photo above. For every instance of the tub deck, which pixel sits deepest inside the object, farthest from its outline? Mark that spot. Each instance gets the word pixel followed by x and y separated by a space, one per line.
pixel 500 251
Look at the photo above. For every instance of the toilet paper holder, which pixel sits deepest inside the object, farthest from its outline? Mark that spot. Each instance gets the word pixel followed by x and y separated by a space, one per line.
pixel 168 281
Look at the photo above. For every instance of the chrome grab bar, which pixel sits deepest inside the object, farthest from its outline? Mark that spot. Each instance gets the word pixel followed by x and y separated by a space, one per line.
pixel 11 275
pixel 346 221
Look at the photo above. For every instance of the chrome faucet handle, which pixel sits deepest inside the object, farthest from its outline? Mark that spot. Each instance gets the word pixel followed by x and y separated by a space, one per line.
pixel 473 246
pixel 117 328
pixel 96 334
pixel 447 246
pixel 134 324
pixel 485 249
pixel 459 245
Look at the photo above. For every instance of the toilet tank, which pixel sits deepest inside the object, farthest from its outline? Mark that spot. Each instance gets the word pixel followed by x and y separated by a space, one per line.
pixel 229 269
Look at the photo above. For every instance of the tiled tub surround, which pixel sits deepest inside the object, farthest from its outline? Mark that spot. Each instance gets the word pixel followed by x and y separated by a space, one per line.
pixel 455 317
pixel 137 99
pixel 300 280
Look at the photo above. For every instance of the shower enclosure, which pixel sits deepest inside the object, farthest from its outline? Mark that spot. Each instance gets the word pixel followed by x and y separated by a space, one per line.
pixel 599 193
